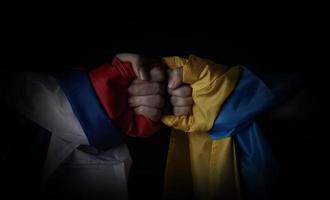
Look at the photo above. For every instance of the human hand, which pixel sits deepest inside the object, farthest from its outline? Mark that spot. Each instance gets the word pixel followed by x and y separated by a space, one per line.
pixel 181 98
pixel 147 90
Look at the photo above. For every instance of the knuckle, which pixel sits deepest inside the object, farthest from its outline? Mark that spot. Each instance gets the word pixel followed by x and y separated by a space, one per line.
pixel 142 87
pixel 188 101
pixel 180 101
pixel 177 111
pixel 160 100
pixel 186 91
pixel 157 99
pixel 139 110
pixel 131 89
pixel 157 88
pixel 173 99
pixel 136 110
pixel 137 89
pixel 170 91
pixel 182 110
pixel 131 100
pixel 139 100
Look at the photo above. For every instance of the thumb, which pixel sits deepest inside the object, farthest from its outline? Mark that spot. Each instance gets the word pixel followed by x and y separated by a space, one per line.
pixel 140 69
pixel 175 77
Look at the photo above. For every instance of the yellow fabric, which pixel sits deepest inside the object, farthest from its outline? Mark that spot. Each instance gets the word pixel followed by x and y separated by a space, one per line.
pixel 211 85
pixel 178 176
pixel 213 166
pixel 196 165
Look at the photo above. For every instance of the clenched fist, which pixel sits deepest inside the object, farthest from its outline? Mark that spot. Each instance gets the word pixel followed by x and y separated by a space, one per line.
pixel 181 99
pixel 147 91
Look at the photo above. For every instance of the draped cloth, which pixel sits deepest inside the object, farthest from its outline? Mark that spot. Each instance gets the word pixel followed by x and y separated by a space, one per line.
pixel 111 82
pixel 197 166
pixel 236 119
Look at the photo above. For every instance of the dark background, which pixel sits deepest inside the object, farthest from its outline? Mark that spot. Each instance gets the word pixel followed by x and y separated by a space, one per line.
pixel 273 43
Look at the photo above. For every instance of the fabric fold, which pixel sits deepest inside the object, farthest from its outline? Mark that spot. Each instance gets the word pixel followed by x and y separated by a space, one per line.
pixel 212 164
pixel 111 82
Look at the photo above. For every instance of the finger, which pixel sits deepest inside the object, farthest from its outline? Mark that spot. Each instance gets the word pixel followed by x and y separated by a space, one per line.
pixel 181 101
pixel 175 78
pixel 157 74
pixel 156 101
pixel 145 88
pixel 182 91
pixel 184 110
pixel 143 72
pixel 153 114
pixel 137 62
pixel 139 81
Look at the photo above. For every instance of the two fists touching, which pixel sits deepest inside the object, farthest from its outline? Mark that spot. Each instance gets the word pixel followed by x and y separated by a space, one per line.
pixel 148 90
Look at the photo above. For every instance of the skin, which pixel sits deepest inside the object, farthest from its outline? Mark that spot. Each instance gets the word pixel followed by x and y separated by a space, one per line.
pixel 147 91
pixel 181 99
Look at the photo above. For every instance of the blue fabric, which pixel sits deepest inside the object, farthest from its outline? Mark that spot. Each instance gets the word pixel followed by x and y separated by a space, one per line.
pixel 97 126
pixel 236 119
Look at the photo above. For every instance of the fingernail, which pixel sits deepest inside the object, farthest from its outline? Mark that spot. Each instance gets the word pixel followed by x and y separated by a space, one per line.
pixel 142 77
pixel 170 84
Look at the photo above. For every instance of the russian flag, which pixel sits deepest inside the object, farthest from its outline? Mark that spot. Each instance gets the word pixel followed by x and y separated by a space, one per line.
pixel 99 100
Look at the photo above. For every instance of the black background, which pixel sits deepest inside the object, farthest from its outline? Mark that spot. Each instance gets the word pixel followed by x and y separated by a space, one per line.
pixel 275 42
